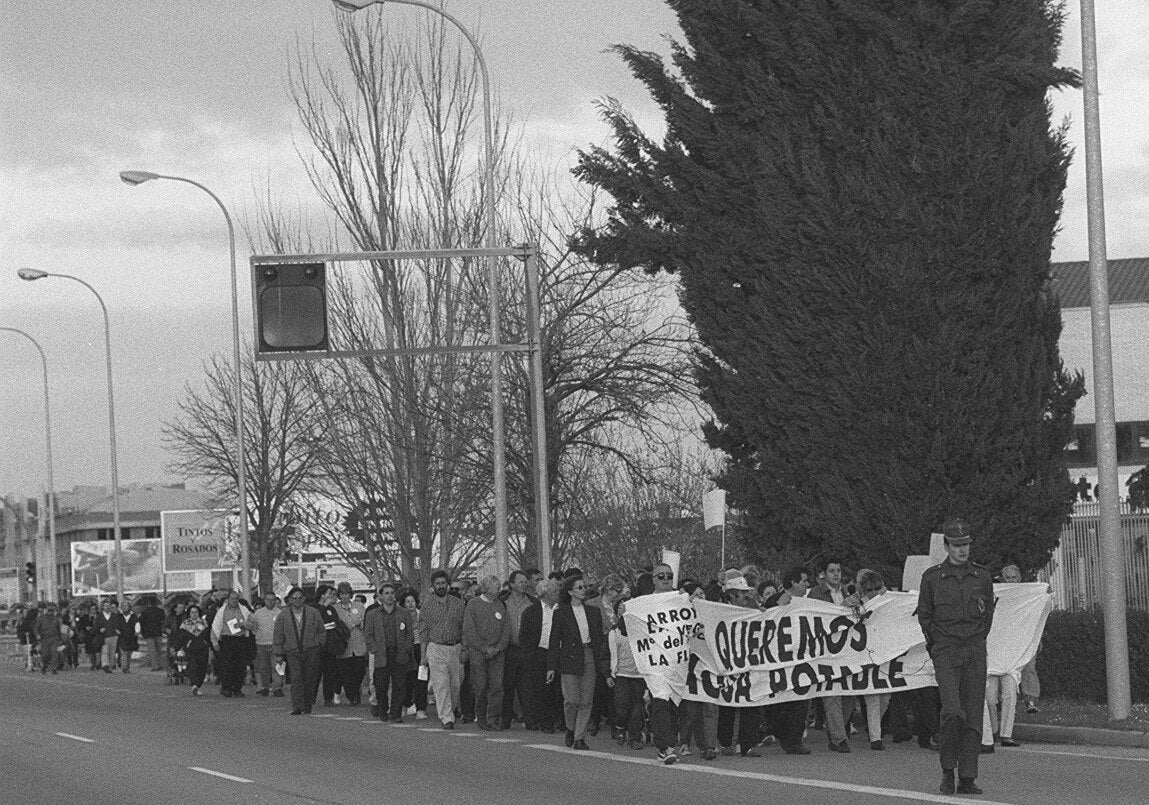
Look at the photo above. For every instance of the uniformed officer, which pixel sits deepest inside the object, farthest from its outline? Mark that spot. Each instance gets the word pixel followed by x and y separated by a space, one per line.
pixel 955 609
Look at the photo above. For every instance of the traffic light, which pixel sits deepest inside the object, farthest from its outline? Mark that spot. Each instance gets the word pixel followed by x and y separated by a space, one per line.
pixel 290 307
pixel 30 573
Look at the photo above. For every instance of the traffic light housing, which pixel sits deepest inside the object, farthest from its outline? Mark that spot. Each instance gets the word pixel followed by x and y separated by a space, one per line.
pixel 30 573
pixel 290 307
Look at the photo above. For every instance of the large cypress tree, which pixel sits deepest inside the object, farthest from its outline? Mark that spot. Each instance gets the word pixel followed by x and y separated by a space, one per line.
pixel 860 200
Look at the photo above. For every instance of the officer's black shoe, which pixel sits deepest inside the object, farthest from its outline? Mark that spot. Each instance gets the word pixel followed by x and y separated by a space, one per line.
pixel 947 786
pixel 966 786
pixel 570 739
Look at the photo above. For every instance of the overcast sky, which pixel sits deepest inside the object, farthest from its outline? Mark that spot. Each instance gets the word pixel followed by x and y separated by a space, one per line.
pixel 199 89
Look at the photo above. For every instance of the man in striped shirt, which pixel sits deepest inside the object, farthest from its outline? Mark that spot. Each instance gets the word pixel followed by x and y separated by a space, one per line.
pixel 441 623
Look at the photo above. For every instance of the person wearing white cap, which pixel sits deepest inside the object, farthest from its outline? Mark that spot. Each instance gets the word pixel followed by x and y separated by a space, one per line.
pixel 737 592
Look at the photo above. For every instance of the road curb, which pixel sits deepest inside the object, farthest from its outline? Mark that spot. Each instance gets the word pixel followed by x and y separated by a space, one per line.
pixel 1048 733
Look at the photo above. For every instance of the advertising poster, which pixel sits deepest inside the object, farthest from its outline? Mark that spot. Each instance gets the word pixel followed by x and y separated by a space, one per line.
pixel 94 570
pixel 199 539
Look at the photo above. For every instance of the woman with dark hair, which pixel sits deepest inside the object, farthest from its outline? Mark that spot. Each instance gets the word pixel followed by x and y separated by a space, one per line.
pixel 233 644
pixel 577 652
pixel 192 638
pixel 89 635
pixel 416 690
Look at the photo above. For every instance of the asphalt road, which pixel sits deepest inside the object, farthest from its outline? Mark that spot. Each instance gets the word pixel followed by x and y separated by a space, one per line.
pixel 120 739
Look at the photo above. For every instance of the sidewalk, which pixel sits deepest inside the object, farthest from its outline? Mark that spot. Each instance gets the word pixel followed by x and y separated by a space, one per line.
pixel 1047 733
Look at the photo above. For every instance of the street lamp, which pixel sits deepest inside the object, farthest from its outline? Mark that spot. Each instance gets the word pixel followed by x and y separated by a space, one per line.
pixel 30 275
pixel 134 178
pixel 502 560
pixel 48 438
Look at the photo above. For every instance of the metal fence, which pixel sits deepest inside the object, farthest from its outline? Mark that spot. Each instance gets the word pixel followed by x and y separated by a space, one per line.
pixel 1074 571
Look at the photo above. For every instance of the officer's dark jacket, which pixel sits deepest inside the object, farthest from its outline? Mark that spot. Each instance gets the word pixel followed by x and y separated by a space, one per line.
pixel 955 604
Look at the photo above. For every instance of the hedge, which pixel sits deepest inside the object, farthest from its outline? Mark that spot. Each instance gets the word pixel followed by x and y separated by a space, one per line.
pixel 1071 661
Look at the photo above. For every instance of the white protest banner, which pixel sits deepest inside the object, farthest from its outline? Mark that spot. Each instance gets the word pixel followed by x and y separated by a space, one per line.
pixel 673 560
pixel 713 509
pixel 659 627
pixel 809 648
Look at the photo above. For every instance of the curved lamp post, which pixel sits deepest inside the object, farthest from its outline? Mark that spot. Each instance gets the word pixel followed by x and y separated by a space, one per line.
pixel 30 275
pixel 51 482
pixel 498 439
pixel 134 178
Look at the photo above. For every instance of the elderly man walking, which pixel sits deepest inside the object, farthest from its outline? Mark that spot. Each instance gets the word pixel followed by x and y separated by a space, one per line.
pixel 486 633
pixel 297 639
pixel 955 610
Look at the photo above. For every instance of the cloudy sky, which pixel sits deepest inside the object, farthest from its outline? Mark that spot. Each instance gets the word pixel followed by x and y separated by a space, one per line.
pixel 198 89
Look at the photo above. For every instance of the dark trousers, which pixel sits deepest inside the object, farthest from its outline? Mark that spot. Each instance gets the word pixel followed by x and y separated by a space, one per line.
pixel 543 703
pixel 351 672
pixel 664 723
pixel 303 668
pixel 197 665
pixel 231 663
pixel 415 690
pixel 603 707
pixel 960 671
pixel 628 712
pixel 514 675
pixel 787 722
pixel 749 724
pixel 391 679
pixel 329 673
pixel 466 703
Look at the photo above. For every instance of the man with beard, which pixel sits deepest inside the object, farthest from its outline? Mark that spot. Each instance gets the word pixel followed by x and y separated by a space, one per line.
pixel 442 632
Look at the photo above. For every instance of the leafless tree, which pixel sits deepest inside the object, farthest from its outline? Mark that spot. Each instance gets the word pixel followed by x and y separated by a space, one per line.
pixel 281 428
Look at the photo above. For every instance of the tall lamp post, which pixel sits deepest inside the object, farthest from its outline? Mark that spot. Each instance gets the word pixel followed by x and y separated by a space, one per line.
pixel 134 178
pixel 498 440
pixel 51 481
pixel 1112 555
pixel 32 274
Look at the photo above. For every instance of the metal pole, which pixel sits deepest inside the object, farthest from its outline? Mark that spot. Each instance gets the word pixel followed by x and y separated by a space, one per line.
pixel 722 553
pixel 502 559
pixel 51 482
pixel 538 409
pixel 237 397
pixel 1112 554
pixel 118 555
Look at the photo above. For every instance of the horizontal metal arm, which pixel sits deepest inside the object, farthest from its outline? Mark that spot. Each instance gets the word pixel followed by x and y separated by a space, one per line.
pixel 521 252
pixel 387 353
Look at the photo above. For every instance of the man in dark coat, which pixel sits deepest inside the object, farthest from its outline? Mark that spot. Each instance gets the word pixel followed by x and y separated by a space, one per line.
pixel 110 624
pixel 297 640
pixel 389 630
pixel 955 610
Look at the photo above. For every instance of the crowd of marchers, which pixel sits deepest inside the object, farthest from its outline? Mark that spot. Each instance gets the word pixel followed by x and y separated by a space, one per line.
pixel 542 654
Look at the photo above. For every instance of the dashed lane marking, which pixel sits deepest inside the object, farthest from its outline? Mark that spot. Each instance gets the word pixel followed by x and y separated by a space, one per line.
pixel 503 740
pixel 321 715
pixel 1080 754
pixel 833 785
pixel 349 718
pixel 220 774
pixel 76 738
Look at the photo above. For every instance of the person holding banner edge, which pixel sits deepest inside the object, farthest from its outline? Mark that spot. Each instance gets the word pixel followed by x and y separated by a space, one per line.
pixel 955 610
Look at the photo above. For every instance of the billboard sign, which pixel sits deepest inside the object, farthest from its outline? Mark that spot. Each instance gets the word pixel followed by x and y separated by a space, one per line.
pixel 198 539
pixel 93 566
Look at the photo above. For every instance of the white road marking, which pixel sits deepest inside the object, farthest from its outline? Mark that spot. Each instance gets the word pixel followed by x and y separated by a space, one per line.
pixel 76 738
pixel 321 715
pixel 430 729
pixel 503 740
pixel 833 785
pixel 220 774
pixel 349 718
pixel 458 734
pixel 1080 754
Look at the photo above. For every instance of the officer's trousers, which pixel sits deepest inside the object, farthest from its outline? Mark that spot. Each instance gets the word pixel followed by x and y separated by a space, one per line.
pixel 960 671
